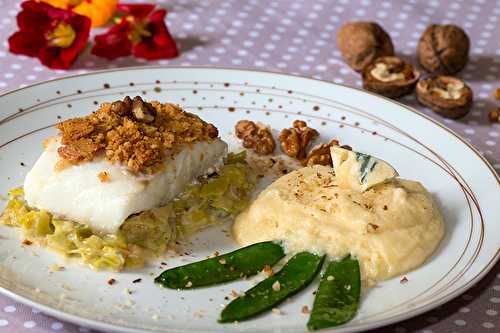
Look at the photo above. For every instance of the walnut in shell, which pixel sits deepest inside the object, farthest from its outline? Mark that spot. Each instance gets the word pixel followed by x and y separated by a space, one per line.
pixel 445 95
pixel 362 42
pixel 390 77
pixel 443 49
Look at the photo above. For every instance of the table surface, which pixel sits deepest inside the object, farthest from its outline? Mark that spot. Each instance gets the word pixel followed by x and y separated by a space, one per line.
pixel 299 37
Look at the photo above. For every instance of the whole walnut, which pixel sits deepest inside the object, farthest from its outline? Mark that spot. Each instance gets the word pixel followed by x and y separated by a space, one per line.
pixel 362 42
pixel 443 49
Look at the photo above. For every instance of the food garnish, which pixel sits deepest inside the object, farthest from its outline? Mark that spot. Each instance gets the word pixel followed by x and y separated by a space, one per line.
pixel 337 298
pixel 443 49
pixel 446 95
pixel 228 267
pixel 133 132
pixel 296 140
pixel 360 171
pixel 390 76
pixel 297 273
pixel 362 42
pixel 255 136
pixel 320 154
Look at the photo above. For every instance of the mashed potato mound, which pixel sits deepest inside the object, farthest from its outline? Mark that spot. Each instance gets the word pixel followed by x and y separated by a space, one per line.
pixel 391 228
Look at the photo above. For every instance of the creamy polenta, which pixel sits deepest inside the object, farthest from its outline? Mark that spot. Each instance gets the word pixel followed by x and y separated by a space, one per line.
pixel 391 227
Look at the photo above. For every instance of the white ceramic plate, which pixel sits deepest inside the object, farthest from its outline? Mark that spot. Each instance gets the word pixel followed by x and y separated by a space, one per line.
pixel 463 183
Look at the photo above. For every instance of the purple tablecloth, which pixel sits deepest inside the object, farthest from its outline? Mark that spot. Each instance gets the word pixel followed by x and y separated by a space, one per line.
pixel 299 37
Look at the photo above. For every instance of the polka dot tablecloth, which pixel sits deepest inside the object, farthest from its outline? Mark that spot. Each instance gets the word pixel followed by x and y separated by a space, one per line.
pixel 299 37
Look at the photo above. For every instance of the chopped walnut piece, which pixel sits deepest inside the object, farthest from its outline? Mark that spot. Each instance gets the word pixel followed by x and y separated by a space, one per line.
pixel 494 116
pixel 111 281
pixel 104 177
pixel 143 111
pixel 305 309
pixel 134 133
pixel 27 242
pixel 255 137
pixel 320 154
pixel 403 280
pixel 295 140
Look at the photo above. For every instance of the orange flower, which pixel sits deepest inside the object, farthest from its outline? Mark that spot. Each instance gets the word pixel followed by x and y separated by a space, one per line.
pixel 98 11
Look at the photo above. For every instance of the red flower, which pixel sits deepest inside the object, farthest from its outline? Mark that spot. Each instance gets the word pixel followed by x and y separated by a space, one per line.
pixel 141 31
pixel 55 36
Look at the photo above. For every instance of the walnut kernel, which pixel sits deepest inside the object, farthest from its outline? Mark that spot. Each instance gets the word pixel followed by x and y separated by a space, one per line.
pixel 320 154
pixel 255 137
pixel 296 140
pixel 445 95
pixel 390 76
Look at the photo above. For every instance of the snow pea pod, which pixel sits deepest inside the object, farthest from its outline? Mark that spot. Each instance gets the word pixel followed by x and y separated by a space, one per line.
pixel 337 298
pixel 297 273
pixel 231 266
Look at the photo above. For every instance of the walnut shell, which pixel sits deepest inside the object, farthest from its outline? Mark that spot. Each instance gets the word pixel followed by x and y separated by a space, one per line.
pixel 362 42
pixel 390 76
pixel 443 49
pixel 446 95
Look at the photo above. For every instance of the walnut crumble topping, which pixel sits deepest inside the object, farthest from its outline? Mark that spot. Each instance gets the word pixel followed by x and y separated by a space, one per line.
pixel 133 132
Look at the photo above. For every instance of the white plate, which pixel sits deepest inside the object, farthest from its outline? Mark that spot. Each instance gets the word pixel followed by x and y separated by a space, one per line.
pixel 463 183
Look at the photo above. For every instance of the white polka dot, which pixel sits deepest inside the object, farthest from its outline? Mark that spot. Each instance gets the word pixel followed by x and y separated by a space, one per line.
pixel 236 61
pixel 29 324
pixel 213 59
pixel 491 312
pixel 338 80
pixel 83 329
pixel 248 43
pixel 3 84
pixel 56 326
pixel 31 77
pixel 254 34
pixel 3 323
pixel 259 63
pixel 242 52
pixel 497 287
pixel 490 143
pixel 488 325
pixel 468 131
pixel 9 308
pixel 464 310
pixel 427 331
pixel 321 68
pixel 35 310
pixel 8 75
pixel 460 322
